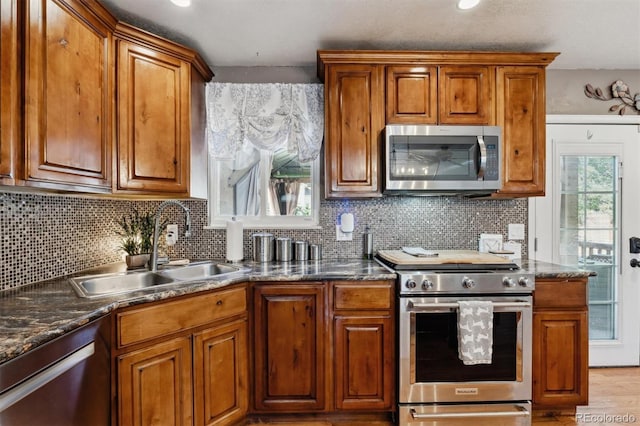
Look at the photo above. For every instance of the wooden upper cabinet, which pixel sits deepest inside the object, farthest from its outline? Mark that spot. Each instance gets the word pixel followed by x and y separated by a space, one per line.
pixel 412 94
pixel 521 114
pixel 160 113
pixel 354 98
pixel 504 89
pixel 454 94
pixel 68 92
pixel 153 130
pixel 466 95
pixel 10 87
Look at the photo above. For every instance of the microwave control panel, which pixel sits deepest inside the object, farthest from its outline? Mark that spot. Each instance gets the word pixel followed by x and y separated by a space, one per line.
pixel 492 170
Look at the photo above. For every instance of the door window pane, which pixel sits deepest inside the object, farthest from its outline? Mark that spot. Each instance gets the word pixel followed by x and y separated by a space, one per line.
pixel 588 232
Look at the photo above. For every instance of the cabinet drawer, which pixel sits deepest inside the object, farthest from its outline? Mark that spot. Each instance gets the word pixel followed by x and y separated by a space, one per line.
pixel 560 293
pixel 362 295
pixel 142 324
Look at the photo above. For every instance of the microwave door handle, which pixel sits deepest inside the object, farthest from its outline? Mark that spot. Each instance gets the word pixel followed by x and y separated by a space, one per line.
pixel 482 164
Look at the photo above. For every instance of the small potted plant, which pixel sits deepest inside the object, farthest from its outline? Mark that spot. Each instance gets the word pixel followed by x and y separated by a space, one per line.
pixel 136 231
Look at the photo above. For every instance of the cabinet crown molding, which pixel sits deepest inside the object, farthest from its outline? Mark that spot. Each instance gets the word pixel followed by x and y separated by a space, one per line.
pixel 404 57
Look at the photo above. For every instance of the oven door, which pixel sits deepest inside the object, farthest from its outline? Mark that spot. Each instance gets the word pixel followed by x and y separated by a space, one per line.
pixel 430 370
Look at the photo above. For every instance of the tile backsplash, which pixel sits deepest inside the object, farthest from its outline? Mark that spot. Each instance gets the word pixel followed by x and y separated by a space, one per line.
pixel 47 236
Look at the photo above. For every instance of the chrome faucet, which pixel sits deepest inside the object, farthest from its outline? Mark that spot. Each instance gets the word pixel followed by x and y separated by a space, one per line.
pixel 153 260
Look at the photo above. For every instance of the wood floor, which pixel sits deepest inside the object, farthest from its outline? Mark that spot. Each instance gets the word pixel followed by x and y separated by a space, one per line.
pixel 612 392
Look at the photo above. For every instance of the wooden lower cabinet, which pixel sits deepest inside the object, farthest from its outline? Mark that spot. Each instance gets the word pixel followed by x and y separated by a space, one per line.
pixel 289 339
pixel 560 344
pixel 155 384
pixel 363 345
pixel 194 373
pixel 364 350
pixel 220 374
pixel 324 347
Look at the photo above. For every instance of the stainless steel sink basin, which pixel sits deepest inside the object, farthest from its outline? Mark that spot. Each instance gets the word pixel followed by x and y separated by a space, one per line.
pixel 199 271
pixel 103 285
pixel 124 282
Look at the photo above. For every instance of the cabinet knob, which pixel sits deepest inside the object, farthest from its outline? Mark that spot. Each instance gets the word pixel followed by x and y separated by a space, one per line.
pixel 219 303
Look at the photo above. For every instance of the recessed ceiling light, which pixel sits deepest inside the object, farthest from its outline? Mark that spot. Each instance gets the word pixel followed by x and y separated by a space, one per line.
pixel 182 3
pixel 467 4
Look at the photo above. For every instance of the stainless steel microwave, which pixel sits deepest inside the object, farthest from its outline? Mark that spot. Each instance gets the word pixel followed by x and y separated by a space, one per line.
pixel 433 160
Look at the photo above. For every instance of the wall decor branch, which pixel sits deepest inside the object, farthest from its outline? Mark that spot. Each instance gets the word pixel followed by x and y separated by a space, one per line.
pixel 620 92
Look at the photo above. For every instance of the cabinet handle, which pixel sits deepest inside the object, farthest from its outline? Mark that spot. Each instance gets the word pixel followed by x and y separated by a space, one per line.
pixel 219 303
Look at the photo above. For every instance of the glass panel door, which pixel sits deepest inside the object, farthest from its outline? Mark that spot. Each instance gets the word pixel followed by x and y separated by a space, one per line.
pixel 589 205
pixel 585 220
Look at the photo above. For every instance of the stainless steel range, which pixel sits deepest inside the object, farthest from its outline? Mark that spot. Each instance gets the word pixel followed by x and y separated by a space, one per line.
pixel 437 384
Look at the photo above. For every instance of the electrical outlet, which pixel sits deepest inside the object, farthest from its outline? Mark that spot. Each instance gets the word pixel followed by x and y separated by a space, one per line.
pixel 172 234
pixel 343 236
pixel 516 231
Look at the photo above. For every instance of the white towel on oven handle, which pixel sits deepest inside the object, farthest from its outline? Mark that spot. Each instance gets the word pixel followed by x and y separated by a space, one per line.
pixel 475 332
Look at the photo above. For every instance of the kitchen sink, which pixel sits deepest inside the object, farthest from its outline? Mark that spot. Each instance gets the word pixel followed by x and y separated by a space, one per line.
pixel 124 282
pixel 199 271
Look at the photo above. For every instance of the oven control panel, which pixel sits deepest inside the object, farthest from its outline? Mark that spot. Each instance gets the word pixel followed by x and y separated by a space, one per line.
pixel 450 282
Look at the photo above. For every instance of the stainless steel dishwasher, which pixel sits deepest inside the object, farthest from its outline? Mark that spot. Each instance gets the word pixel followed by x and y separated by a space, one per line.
pixel 64 382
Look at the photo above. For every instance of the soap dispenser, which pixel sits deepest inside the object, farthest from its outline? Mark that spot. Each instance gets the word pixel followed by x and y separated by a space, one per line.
pixel 368 243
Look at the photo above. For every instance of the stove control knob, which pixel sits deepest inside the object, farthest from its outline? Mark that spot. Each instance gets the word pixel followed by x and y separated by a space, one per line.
pixel 508 282
pixel 468 283
pixel 426 284
pixel 523 281
pixel 410 284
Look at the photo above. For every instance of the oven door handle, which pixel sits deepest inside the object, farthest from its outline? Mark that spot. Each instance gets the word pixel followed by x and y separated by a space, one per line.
pixel 454 305
pixel 520 412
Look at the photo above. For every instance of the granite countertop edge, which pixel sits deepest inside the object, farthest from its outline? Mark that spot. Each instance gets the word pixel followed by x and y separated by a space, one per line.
pixel 34 314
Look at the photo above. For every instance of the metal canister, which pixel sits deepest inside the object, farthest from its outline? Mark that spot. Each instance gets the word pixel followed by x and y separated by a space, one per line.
pixel 301 250
pixel 262 247
pixel 315 252
pixel 284 252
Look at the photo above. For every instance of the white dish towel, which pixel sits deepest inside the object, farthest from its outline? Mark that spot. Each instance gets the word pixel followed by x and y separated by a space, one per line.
pixel 475 332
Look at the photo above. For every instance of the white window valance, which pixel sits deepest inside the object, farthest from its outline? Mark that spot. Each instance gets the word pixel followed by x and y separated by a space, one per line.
pixel 266 116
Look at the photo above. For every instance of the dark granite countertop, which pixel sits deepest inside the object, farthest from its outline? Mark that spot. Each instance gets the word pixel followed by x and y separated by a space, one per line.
pixel 34 314
pixel 552 270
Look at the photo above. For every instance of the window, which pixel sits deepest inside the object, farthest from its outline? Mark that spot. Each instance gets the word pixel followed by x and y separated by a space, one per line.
pixel 265 189
pixel 264 142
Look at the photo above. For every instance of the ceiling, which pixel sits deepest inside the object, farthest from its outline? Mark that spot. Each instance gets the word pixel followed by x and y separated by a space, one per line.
pixel 589 34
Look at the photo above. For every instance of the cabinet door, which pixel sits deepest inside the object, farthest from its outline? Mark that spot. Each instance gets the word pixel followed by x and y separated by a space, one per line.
pixel 153 120
pixel 364 362
pixel 220 374
pixel 521 114
pixel 412 94
pixel 466 95
pixel 289 329
pixel 10 86
pixel 67 96
pixel 560 358
pixel 155 385
pixel 354 123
